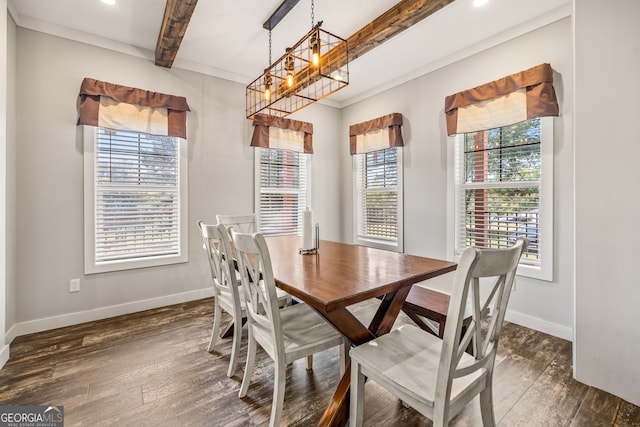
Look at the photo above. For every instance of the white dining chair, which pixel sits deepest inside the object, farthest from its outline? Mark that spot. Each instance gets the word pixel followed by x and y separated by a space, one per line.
pixel 436 376
pixel 226 293
pixel 286 334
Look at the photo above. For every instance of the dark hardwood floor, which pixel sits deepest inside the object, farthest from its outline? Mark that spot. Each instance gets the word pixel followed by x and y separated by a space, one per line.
pixel 152 368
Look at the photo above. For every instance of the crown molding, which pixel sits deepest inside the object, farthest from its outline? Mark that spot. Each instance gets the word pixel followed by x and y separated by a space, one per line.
pixel 13 12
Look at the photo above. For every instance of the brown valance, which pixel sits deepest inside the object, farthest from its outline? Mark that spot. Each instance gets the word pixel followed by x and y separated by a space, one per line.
pixel 121 107
pixel 282 134
pixel 377 134
pixel 518 97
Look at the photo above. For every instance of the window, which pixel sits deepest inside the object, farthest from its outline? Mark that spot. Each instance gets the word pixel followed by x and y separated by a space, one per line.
pixel 503 191
pixel 282 190
pixel 378 199
pixel 135 200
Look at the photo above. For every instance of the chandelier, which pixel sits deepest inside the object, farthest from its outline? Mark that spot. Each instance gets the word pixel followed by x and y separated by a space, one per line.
pixel 314 68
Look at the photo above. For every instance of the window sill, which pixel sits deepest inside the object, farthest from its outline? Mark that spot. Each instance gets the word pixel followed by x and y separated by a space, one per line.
pixel 123 265
pixel 379 244
pixel 524 270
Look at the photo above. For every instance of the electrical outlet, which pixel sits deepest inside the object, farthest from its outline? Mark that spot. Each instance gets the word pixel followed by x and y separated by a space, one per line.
pixel 74 285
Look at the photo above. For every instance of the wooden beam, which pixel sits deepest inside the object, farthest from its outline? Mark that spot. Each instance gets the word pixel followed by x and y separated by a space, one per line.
pixel 177 14
pixel 282 10
pixel 392 22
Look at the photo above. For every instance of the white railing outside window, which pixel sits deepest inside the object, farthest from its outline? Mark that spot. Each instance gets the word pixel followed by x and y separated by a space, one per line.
pixel 504 191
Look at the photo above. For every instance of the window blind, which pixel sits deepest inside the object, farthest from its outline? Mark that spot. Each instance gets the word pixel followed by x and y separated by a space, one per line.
pixel 499 201
pixel 282 191
pixel 137 192
pixel 377 195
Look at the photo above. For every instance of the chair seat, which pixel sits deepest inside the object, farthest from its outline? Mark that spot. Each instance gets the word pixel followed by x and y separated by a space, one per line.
pixel 303 330
pixel 406 360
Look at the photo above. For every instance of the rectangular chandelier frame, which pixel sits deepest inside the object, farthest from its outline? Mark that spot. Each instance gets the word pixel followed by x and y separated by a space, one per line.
pixel 310 83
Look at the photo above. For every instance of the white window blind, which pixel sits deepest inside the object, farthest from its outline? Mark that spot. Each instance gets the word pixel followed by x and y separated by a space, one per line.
pixel 378 182
pixel 137 208
pixel 282 191
pixel 499 189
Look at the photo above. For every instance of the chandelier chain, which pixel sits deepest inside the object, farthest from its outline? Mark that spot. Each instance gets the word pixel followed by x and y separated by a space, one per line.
pixel 269 46
pixel 313 18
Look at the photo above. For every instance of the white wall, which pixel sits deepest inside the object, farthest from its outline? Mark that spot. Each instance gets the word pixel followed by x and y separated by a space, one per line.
pixel 49 166
pixel 546 306
pixel 4 99
pixel 607 88
pixel 10 264
pixel 326 180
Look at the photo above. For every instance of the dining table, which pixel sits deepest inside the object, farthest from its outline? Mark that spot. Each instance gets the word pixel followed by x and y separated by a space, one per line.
pixel 339 275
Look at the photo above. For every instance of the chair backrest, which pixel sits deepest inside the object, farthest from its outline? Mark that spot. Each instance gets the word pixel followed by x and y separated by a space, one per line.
pixel 259 287
pixel 498 267
pixel 217 245
pixel 246 223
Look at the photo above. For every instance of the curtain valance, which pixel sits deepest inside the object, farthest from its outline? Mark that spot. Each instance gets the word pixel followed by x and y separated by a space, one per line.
pixel 282 134
pixel 512 99
pixel 377 134
pixel 120 107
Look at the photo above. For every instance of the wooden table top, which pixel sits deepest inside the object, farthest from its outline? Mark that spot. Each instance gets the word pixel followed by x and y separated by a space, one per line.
pixel 342 274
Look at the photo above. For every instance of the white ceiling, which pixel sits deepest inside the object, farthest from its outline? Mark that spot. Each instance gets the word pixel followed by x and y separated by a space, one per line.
pixel 225 38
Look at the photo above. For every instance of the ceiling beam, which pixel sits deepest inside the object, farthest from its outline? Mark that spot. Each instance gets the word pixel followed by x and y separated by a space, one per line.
pixel 282 10
pixel 392 22
pixel 177 14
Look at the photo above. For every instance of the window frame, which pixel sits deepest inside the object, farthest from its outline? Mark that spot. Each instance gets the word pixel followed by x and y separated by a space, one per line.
pixel 90 136
pixel 258 190
pixel 544 271
pixel 398 245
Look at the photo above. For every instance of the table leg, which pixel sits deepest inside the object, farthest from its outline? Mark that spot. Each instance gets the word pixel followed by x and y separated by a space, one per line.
pixel 228 330
pixel 337 412
pixel 387 313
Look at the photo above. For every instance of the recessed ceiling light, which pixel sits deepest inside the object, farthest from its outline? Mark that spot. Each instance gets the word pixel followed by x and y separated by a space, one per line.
pixel 476 3
pixel 109 2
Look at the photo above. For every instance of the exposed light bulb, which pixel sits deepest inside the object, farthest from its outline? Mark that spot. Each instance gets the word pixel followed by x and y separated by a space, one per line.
pixel 315 49
pixel 290 67
pixel 267 85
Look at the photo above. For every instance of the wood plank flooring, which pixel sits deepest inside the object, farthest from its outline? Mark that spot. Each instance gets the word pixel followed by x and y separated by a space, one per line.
pixel 152 368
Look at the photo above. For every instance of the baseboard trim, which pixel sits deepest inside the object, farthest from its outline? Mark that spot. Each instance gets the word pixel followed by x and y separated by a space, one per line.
pixel 60 321
pixel 4 355
pixel 69 319
pixel 10 335
pixel 538 324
